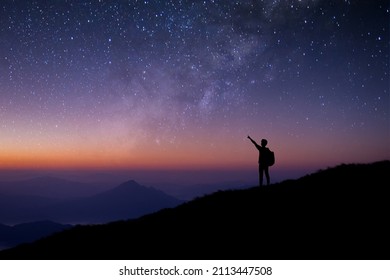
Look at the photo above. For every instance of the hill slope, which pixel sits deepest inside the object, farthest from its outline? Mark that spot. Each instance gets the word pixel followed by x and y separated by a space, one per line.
pixel 337 213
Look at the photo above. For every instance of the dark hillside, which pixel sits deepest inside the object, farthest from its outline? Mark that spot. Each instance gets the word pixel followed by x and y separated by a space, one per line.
pixel 337 213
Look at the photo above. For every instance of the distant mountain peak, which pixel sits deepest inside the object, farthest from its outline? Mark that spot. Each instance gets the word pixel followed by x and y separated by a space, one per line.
pixel 130 183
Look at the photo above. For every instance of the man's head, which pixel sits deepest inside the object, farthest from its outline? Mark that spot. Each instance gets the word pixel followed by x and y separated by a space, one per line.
pixel 264 142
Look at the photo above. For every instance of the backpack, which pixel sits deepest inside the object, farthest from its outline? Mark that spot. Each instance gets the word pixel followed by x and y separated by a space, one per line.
pixel 270 157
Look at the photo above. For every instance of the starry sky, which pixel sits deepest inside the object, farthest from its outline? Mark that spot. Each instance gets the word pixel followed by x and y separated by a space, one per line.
pixel 180 84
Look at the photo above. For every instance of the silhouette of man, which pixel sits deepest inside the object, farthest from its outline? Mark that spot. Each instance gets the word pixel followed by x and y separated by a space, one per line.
pixel 263 166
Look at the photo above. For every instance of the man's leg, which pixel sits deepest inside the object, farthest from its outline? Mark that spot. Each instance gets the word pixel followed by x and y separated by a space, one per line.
pixel 260 176
pixel 267 175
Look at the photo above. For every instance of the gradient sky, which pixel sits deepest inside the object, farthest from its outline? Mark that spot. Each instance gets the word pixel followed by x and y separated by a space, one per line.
pixel 180 84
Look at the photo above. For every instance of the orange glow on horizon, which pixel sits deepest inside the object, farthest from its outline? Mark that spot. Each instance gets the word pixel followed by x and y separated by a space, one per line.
pixel 205 152
pixel 178 158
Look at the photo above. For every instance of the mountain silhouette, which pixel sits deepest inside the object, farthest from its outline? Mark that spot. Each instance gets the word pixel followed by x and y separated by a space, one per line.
pixel 128 200
pixel 15 209
pixel 336 213
pixel 28 232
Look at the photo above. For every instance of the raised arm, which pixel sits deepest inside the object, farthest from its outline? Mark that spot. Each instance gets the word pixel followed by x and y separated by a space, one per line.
pixel 254 142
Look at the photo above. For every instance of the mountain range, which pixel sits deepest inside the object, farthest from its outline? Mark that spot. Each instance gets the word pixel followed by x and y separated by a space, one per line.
pixel 128 200
pixel 335 213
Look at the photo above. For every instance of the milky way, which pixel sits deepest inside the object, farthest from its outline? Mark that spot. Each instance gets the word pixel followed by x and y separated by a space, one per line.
pixel 182 83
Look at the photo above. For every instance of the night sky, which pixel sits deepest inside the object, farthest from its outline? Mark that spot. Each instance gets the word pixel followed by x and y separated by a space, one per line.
pixel 180 84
